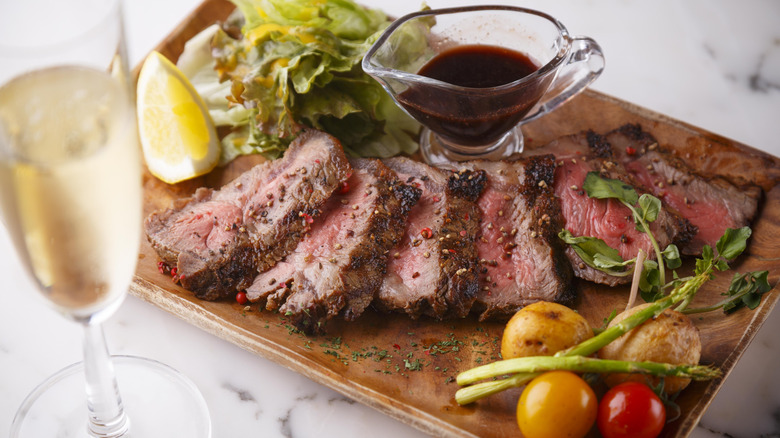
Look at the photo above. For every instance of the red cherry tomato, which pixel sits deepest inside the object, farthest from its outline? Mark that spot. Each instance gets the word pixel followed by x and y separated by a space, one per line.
pixel 241 298
pixel 631 409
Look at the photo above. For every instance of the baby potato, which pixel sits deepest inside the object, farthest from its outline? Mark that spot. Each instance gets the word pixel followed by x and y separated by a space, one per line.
pixel 542 329
pixel 670 338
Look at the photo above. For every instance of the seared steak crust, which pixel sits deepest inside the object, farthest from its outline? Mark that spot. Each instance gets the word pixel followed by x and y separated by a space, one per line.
pixel 460 263
pixel 522 260
pixel 710 204
pixel 220 239
pixel 598 145
pixel 433 271
pixel 340 264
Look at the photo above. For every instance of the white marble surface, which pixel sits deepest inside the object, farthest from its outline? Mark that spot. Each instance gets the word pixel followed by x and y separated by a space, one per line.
pixel 714 64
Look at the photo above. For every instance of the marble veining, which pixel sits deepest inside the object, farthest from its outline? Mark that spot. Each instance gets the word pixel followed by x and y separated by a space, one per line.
pixel 767 75
pixel 713 64
pixel 284 421
pixel 243 395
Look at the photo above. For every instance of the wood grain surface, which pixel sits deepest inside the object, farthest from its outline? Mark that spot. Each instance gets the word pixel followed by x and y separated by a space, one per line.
pixel 375 359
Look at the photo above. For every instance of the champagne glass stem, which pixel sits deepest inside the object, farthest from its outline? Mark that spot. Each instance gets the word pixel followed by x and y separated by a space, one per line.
pixel 107 418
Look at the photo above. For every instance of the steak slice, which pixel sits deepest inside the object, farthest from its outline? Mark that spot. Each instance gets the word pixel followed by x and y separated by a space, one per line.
pixel 219 240
pixel 586 144
pixel 606 219
pixel 522 259
pixel 433 271
pixel 339 266
pixel 710 204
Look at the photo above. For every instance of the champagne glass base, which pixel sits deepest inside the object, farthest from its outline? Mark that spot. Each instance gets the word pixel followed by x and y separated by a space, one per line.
pixel 441 154
pixel 159 402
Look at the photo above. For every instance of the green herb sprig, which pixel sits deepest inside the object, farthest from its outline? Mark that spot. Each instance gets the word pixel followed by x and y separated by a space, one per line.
pixel 594 252
pixel 644 209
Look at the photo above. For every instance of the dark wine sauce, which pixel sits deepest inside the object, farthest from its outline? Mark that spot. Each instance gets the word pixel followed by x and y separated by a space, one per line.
pixel 479 66
pixel 478 115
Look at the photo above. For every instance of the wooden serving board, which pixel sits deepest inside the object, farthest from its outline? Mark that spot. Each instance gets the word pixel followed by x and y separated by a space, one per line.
pixel 406 368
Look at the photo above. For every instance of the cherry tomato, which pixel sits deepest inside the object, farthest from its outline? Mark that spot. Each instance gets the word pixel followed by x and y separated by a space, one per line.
pixel 241 298
pixel 631 409
pixel 556 404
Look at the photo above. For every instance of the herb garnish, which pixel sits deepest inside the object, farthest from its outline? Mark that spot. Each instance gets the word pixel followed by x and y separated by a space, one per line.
pixel 745 290
pixel 597 254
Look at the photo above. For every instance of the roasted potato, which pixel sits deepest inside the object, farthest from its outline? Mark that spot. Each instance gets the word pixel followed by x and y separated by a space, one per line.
pixel 542 329
pixel 670 338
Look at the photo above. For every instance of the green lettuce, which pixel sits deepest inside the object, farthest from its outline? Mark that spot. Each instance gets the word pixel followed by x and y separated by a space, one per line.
pixel 199 66
pixel 278 66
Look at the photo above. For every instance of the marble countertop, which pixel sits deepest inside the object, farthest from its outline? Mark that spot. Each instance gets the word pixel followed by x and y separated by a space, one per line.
pixel 713 64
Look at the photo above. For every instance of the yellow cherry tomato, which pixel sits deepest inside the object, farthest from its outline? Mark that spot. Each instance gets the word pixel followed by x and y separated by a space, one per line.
pixel 556 404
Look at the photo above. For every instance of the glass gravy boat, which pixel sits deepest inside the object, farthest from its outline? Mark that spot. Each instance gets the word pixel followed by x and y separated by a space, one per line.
pixel 463 122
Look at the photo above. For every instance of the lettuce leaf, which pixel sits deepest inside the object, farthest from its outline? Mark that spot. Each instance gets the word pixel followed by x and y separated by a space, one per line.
pixel 296 64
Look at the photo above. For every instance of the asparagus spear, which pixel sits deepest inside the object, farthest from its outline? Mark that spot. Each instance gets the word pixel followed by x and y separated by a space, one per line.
pixel 584 365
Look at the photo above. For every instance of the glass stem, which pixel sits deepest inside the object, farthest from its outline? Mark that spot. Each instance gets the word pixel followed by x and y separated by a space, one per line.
pixel 107 417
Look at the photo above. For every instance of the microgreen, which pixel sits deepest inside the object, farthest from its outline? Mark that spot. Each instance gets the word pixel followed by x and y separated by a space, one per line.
pixel 605 188
pixel 590 248
pixel 733 242
pixel 745 290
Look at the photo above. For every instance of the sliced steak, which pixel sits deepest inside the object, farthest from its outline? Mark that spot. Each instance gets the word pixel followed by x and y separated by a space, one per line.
pixel 433 271
pixel 710 204
pixel 585 144
pixel 606 219
pixel 219 240
pixel 339 266
pixel 522 259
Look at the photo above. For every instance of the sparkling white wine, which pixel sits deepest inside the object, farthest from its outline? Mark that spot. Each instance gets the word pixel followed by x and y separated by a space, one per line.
pixel 70 188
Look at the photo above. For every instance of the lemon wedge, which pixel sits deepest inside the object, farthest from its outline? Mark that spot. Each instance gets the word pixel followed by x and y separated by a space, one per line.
pixel 178 137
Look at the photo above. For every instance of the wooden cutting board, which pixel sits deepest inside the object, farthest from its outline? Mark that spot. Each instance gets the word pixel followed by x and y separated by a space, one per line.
pixel 406 368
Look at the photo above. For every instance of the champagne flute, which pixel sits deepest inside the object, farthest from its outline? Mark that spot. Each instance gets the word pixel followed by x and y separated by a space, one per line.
pixel 70 197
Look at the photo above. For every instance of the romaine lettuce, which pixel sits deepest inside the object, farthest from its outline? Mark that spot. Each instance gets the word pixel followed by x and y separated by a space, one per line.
pixel 297 63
